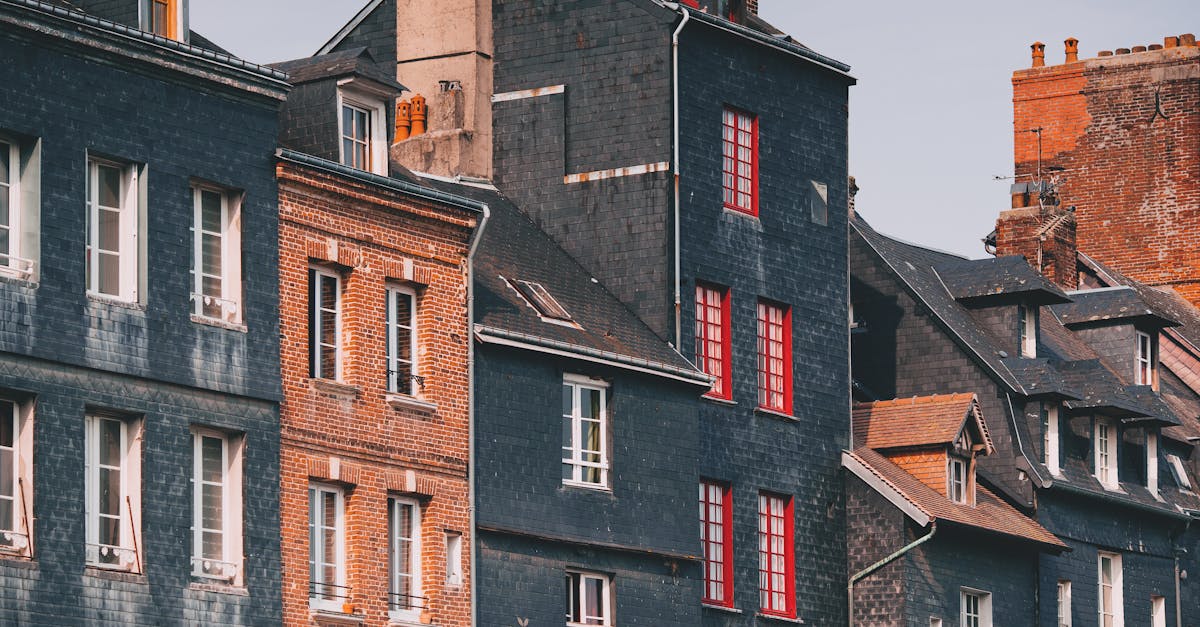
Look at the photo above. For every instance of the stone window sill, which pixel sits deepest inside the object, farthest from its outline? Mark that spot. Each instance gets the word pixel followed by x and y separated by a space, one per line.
pixel 329 618
pixel 220 324
pixel 113 301
pixel 782 619
pixel 720 608
pixel 114 575
pixel 718 400
pixel 220 588
pixel 404 401
pixel 333 387
pixel 782 416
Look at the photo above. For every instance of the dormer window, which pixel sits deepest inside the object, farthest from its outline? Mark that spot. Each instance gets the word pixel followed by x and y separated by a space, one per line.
pixel 361 123
pixel 1147 355
pixel 959 486
pixel 1106 454
pixel 1027 324
pixel 1050 431
pixel 162 17
pixel 1178 472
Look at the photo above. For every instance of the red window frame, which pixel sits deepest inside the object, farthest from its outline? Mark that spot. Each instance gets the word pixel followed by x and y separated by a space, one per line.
pixel 774 356
pixel 716 540
pixel 735 169
pixel 776 555
pixel 713 346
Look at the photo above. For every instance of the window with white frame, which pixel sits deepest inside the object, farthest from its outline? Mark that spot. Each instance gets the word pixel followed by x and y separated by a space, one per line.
pixel 1158 611
pixel 162 17
pixel 585 432
pixel 327 588
pixel 404 559
pixel 113 507
pixel 324 323
pixel 976 607
pixel 1027 324
pixel 1145 359
pixel 113 226
pixel 1178 472
pixel 1152 461
pixel 588 599
pixel 402 340
pixel 1050 432
pixel 934 621
pixel 20 189
pixel 361 122
pixel 16 474
pixel 10 205
pixel 216 505
pixel 216 255
pixel 957 481
pixel 1064 603
pixel 1106 453
pixel 1111 604
pixel 454 558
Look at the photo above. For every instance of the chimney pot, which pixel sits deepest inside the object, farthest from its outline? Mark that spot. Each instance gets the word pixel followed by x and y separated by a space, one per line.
pixel 418 114
pixel 1122 50
pixel 1072 47
pixel 1139 48
pixel 1039 54
pixel 1187 40
pixel 1104 53
pixel 1155 47
pixel 403 120
pixel 1170 42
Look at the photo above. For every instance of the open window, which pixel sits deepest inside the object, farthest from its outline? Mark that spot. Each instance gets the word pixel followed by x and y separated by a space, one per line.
pixel 217 254
pixel 113 506
pixel 114 229
pixel 216 505
pixel 589 599
pixel 16 478
pixel 165 18
pixel 362 122
pixel 20 187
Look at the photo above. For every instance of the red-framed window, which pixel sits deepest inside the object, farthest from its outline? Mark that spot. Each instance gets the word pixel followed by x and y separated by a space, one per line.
pixel 712 337
pixel 776 556
pixel 716 539
pixel 739 160
pixel 774 356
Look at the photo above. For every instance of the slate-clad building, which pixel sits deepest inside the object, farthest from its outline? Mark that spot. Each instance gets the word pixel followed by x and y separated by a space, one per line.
pixel 1087 426
pixel 139 353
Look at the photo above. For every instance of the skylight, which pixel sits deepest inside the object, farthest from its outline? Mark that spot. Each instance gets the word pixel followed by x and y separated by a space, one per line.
pixel 542 301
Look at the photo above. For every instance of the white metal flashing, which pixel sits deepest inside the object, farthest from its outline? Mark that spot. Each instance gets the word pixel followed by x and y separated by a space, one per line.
pixel 852 463
pixel 633 170
pixel 529 93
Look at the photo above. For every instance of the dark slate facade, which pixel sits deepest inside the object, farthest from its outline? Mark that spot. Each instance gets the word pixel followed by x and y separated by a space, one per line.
pixel 914 338
pixel 74 87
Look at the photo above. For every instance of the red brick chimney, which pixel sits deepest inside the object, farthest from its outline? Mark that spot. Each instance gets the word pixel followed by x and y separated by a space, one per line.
pixel 752 6
pixel 1040 231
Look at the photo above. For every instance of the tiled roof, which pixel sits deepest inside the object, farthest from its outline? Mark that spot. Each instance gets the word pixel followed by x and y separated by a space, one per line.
pixel 334 65
pixel 990 513
pixel 1109 303
pixel 916 421
pixel 979 278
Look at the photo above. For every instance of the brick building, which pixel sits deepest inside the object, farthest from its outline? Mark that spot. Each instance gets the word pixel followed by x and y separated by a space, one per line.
pixel 1090 431
pixel 374 276
pixel 139 389
pixel 1114 137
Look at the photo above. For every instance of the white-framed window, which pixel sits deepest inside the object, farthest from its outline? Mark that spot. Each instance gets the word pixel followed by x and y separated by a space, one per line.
pixel 404 559
pixel 1111 603
pixel 361 122
pixel 454 558
pixel 162 17
pixel 1178 472
pixel 216 255
pixel 976 608
pixel 113 225
pixel 934 621
pixel 1064 603
pixel 16 478
pixel 113 507
pixel 216 506
pixel 402 340
pixel 1146 359
pixel 1027 324
pixel 1050 431
pixel 585 432
pixel 1152 461
pixel 589 600
pixel 1106 437
pixel 957 481
pixel 1158 611
pixel 20 189
pixel 324 323
pixel 327 588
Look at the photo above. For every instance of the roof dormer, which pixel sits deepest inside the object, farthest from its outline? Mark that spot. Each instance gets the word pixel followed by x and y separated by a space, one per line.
pixel 1121 327
pixel 165 18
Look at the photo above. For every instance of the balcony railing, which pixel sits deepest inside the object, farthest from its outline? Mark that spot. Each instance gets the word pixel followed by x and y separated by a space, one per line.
pixel 400 602
pixel 320 591
pixel 223 309
pixel 21 267
pixel 13 542
pixel 112 557
pixel 214 569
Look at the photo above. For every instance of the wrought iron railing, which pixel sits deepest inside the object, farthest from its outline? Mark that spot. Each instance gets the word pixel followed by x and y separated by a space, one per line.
pixel 17 265
pixel 13 541
pixel 398 601
pixel 214 307
pixel 320 591
pixel 111 556
pixel 398 381
pixel 214 569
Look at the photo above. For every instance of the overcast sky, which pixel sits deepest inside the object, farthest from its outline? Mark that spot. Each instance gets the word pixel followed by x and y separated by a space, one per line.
pixel 930 118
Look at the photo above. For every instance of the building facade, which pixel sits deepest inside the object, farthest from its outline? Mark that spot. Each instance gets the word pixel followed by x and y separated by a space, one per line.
pixel 138 352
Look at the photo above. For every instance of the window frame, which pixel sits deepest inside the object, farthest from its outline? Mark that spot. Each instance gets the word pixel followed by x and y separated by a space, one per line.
pixel 334 601
pixel 1152 461
pixel 315 348
pixel 1105 436
pixel 376 139
pixel 724 527
pixel 12 189
pixel 230 299
pixel 1027 331
pixel 738 115
pixel 818 203
pixel 766 555
pixel 393 334
pixel 129 550
pixel 722 387
pixel 173 18
pixel 763 355
pixel 1116 586
pixel 577 383
pixel 231 508
pixel 1051 438
pixel 129 230
pixel 983 608
pixel 396 611
pixel 1064 602
pixel 454 558
pixel 1179 472
pixel 576 585
pixel 1145 359
pixel 16 534
pixel 963 495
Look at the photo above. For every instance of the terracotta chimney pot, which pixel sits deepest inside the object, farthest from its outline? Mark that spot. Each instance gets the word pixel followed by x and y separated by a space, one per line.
pixel 1155 47
pixel 1104 53
pixel 1039 54
pixel 418 114
pixel 1072 46
pixel 1122 50
pixel 1139 49
pixel 403 122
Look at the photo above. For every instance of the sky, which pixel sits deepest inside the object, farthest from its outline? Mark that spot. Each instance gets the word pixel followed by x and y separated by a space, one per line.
pixel 930 117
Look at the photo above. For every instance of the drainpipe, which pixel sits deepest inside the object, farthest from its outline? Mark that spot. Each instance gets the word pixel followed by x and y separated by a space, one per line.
pixel 1175 550
pixel 675 161
pixel 474 548
pixel 880 564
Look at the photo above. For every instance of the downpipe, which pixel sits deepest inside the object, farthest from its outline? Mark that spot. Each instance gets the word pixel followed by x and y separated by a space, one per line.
pixel 880 564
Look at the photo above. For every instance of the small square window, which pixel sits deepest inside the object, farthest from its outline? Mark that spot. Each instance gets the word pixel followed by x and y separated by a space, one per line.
pixel 217 255
pixel 1178 472
pixel 324 323
pixel 713 345
pixel 216 506
pixel 739 160
pixel 112 458
pixel 113 229
pixel 589 599
pixel 958 483
pixel 774 357
pixel 542 301
pixel 585 432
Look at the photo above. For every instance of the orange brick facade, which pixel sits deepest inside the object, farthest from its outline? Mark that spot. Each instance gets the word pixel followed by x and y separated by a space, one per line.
pixel 1118 139
pixel 345 433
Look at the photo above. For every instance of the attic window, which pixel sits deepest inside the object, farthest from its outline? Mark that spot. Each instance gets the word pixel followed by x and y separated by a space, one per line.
pixel 958 484
pixel 1027 324
pixel 1146 358
pixel 542 301
pixel 1178 473
pixel 162 17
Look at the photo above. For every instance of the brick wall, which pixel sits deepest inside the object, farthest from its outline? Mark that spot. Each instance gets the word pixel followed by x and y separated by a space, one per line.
pixel 344 433
pixel 874 530
pixel 1124 128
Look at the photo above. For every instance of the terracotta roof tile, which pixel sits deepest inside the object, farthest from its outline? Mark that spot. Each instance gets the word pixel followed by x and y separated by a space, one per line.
pixel 916 421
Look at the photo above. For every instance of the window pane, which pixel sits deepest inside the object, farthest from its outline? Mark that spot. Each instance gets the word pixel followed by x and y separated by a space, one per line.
pixel 110 442
pixel 211 255
pixel 211 507
pixel 5 152
pixel 6 476
pixel 210 211
pixel 109 180
pixel 594 597
pixel 212 457
pixel 110 274
pixel 110 533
